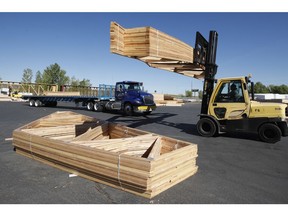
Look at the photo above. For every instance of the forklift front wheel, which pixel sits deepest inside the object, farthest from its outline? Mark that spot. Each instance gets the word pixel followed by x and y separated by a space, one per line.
pixel 269 133
pixel 206 127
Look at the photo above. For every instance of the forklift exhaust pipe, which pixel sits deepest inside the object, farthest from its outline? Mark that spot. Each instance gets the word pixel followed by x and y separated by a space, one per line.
pixel 252 90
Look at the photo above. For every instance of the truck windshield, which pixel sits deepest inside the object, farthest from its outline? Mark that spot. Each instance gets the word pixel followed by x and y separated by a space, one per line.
pixel 132 86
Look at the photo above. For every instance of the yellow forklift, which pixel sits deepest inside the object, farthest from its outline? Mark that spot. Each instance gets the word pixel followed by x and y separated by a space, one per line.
pixel 227 105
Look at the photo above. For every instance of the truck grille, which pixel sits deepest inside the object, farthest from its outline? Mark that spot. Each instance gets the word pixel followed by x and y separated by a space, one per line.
pixel 148 100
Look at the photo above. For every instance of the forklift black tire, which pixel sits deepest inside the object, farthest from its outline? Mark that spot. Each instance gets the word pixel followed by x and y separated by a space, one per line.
pixel 90 106
pixel 269 133
pixel 98 107
pixel 31 103
pixel 128 109
pixel 38 103
pixel 206 127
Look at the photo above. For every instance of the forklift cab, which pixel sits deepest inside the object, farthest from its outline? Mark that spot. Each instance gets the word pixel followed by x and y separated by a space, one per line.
pixel 230 99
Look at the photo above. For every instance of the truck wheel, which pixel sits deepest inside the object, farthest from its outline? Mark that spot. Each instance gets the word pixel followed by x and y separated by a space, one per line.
pixel 269 133
pixel 206 127
pixel 128 109
pixel 98 107
pixel 38 103
pixel 90 106
pixel 31 103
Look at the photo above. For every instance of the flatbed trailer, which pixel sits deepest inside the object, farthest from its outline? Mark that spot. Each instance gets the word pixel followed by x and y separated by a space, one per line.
pixel 126 96
pixel 52 100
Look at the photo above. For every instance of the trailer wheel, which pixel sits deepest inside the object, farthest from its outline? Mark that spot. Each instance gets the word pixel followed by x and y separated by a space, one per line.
pixel 38 103
pixel 31 102
pixel 98 107
pixel 128 109
pixel 269 133
pixel 206 127
pixel 90 106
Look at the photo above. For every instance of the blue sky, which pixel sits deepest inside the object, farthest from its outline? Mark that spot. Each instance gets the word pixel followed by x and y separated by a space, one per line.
pixel 248 43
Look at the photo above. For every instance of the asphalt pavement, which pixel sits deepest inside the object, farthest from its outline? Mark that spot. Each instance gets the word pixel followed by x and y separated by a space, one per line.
pixel 233 168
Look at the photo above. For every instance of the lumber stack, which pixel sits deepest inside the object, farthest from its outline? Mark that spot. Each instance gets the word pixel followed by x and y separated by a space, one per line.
pixel 133 160
pixel 50 93
pixel 155 48
pixel 167 100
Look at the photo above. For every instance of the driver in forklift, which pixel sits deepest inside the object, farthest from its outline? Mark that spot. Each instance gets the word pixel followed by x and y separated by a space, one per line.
pixel 233 94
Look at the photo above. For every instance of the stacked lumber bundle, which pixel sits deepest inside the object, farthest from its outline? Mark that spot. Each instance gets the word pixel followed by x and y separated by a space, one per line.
pixel 133 160
pixel 166 100
pixel 155 48
pixel 50 93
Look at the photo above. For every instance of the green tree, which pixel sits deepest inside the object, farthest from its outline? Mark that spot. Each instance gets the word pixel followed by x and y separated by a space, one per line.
pixel 27 76
pixel 55 75
pixel 282 89
pixel 188 93
pixel 260 88
pixel 38 78
pixel 74 82
pixel 85 82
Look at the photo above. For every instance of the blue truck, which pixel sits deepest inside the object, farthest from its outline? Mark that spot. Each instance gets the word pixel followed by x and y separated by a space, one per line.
pixel 126 96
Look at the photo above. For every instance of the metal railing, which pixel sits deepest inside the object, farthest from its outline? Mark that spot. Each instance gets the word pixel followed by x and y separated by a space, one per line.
pixel 42 88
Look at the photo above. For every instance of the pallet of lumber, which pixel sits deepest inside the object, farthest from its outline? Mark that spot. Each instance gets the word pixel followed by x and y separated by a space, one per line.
pixel 155 48
pixel 129 159
pixel 167 100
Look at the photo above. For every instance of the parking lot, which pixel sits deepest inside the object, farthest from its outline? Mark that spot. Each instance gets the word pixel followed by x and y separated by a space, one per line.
pixel 233 168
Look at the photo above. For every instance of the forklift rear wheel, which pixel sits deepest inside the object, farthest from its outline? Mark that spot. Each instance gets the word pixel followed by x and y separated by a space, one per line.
pixel 269 133
pixel 206 127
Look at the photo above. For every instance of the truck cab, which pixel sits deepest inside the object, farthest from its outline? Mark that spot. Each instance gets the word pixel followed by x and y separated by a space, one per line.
pixel 130 98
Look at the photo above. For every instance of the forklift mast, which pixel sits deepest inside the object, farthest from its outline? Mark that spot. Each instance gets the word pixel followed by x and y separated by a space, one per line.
pixel 205 56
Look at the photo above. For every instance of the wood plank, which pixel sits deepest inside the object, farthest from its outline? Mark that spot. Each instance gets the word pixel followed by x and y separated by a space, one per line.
pixel 91 134
pixel 156 149
pixel 49 131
